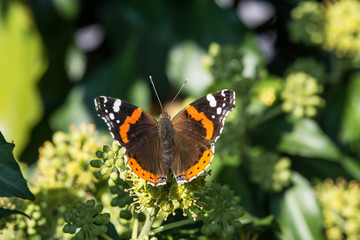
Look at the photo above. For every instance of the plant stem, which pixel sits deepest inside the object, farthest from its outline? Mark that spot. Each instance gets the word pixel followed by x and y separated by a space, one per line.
pixel 135 228
pixel 148 223
pixel 104 236
pixel 174 225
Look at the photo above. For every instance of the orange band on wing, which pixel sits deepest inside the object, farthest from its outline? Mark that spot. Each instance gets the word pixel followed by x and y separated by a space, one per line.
pixel 143 174
pixel 195 170
pixel 124 128
pixel 208 125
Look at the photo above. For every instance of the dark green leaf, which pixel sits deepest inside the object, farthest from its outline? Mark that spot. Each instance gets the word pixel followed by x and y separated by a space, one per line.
pixel 298 211
pixel 6 212
pixel 111 231
pixel 307 140
pixel 12 181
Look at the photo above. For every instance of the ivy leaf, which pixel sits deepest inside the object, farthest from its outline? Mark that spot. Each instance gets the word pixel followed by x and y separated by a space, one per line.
pixel 6 212
pixel 21 66
pixel 12 181
pixel 307 140
pixel 111 232
pixel 298 211
pixel 351 118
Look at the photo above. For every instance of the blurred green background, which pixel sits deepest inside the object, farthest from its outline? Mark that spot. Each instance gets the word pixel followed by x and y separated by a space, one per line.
pixel 293 64
pixel 56 56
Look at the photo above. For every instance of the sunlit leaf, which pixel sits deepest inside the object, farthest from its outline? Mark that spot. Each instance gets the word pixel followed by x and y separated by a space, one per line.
pixel 21 66
pixel 298 211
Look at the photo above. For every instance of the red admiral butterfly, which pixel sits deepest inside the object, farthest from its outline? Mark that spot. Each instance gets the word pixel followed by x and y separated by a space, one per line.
pixel 184 144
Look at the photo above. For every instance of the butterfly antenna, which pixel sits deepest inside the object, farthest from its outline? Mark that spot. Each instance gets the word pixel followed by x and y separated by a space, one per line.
pixel 185 82
pixel 156 93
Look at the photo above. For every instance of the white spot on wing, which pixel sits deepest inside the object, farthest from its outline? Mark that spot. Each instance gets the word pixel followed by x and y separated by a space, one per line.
pixel 111 115
pixel 117 105
pixel 211 100
pixel 213 116
pixel 218 110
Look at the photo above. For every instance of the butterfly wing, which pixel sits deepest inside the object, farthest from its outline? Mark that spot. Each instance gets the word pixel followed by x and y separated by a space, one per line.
pixel 197 127
pixel 137 132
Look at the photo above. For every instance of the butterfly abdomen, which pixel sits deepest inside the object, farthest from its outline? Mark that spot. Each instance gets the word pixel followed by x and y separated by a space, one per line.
pixel 166 133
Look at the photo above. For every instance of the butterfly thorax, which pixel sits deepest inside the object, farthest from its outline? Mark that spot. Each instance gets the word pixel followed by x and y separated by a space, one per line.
pixel 166 129
pixel 166 133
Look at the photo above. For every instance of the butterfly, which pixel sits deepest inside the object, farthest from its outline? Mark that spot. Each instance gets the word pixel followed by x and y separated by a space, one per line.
pixel 184 144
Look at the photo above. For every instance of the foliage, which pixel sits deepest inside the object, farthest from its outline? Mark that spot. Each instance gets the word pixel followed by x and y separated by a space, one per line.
pixel 13 185
pixel 21 66
pixel 62 178
pixel 287 163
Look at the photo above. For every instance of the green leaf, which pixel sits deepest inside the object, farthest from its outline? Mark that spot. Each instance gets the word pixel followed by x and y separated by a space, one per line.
pixel 350 125
pixel 111 232
pixel 307 140
pixel 21 67
pixel 185 62
pixel 352 166
pixel 6 212
pixel 298 211
pixel 12 181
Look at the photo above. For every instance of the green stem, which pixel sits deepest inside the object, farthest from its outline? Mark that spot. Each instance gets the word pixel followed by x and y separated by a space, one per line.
pixel 135 228
pixel 174 225
pixel 149 222
pixel 106 237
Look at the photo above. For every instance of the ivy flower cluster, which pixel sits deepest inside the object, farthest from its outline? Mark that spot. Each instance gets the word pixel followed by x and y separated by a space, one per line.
pixel 86 221
pixel 301 95
pixel 307 24
pixel 342 27
pixel 340 203
pixel 270 171
pixel 334 25
pixel 224 63
pixel 66 158
pixel 62 178
pixel 221 212
pixel 267 90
